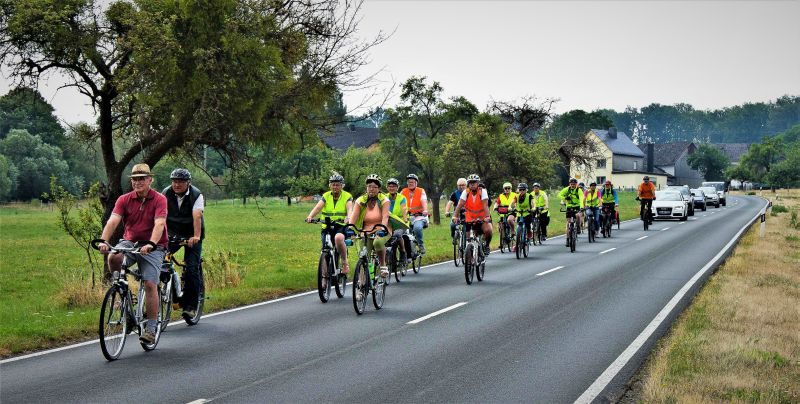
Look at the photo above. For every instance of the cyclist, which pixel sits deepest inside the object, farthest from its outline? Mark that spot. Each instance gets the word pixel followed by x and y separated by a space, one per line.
pixel 417 208
pixel 336 204
pixel 646 195
pixel 143 212
pixel 541 202
pixel 185 204
pixel 608 195
pixel 572 197
pixel 524 203
pixel 591 201
pixel 501 205
pixel 461 185
pixel 371 209
pixel 398 215
pixel 475 202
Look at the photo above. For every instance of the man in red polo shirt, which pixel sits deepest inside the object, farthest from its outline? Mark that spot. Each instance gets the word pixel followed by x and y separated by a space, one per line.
pixel 143 212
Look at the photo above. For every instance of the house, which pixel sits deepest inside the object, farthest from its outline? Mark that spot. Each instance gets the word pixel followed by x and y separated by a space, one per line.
pixel 733 151
pixel 672 159
pixel 344 136
pixel 619 160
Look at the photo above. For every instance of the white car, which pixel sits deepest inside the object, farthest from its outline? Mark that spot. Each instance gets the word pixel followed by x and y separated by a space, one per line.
pixel 712 197
pixel 670 205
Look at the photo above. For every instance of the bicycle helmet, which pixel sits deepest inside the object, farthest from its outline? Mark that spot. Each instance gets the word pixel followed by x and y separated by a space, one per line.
pixel 180 174
pixel 473 178
pixel 373 178
pixel 537 185
pixel 522 185
pixel 336 177
pixel 412 177
pixel 393 181
pixel 646 177
pixel 573 181
pixel 506 185
pixel 592 184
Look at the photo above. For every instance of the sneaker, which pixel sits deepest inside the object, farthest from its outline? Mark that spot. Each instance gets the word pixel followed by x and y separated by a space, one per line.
pixel 544 238
pixel 384 272
pixel 148 337
pixel 485 250
pixel 189 313
pixel 422 250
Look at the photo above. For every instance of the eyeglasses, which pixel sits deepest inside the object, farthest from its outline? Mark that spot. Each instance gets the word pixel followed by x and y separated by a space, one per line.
pixel 506 188
pixel 138 179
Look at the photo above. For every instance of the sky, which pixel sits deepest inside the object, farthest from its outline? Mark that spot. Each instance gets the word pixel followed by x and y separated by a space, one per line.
pixel 588 54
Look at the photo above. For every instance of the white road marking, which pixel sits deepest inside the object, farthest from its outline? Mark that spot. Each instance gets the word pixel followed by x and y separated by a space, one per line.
pixel 198 401
pixel 666 228
pixel 605 378
pixel 641 238
pixel 609 250
pixel 550 270
pixel 436 313
pixel 705 215
pixel 685 222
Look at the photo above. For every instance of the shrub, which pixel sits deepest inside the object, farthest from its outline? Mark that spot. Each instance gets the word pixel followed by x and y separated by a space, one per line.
pixel 779 209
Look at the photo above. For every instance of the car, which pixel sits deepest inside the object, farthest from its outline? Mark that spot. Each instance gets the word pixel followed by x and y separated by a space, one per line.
pixel 721 189
pixel 699 198
pixel 687 195
pixel 712 197
pixel 670 204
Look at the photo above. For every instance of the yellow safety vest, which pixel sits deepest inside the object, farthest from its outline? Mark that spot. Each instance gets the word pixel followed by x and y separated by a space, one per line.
pixel 505 201
pixel 336 211
pixel 539 201
pixel 396 211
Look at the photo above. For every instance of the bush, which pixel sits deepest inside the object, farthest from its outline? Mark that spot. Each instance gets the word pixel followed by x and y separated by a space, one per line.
pixel 779 209
pixel 751 193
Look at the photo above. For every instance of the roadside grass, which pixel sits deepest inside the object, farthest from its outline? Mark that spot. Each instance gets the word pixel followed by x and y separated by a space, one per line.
pixel 251 254
pixel 739 340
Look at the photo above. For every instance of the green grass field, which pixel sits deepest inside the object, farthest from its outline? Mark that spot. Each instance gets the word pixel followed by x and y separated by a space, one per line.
pixel 276 254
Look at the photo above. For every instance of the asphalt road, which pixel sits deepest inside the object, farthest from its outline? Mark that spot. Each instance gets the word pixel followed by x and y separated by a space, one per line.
pixel 524 334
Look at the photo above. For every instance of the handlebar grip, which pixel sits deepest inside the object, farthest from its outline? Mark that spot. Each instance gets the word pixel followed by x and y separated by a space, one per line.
pixel 142 243
pixel 96 243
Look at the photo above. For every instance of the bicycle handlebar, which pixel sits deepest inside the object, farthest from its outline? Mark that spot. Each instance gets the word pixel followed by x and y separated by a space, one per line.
pixel 566 209
pixel 133 250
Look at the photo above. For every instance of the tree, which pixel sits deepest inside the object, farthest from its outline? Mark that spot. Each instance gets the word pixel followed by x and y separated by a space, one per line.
pixel 412 134
pixel 760 157
pixel 8 178
pixel 177 76
pixel 576 123
pixel 526 116
pixel 35 162
pixel 710 161
pixel 25 108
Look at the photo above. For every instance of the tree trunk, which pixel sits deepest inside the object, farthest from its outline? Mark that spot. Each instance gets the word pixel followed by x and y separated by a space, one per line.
pixel 288 200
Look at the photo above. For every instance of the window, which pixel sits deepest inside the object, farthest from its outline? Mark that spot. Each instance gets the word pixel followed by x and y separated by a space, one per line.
pixel 635 165
pixel 601 180
pixel 601 163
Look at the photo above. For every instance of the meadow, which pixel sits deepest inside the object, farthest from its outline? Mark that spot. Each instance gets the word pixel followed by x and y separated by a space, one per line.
pixel 253 252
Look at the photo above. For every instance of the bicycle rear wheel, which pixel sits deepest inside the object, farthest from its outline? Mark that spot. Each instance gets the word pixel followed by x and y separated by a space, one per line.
pixel 113 323
pixel 361 282
pixel 469 264
pixel 201 298
pixel 572 239
pixel 525 248
pixel 166 303
pixel 159 318
pixel 416 263
pixel 323 278
pixel 590 229
pixel 394 262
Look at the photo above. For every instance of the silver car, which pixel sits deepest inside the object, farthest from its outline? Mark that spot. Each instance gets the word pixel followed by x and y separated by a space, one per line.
pixel 712 198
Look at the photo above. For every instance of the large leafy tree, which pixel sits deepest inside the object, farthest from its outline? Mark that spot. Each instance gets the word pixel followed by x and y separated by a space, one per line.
pixel 710 161
pixel 576 123
pixel 175 76
pixel 25 108
pixel 413 133
pixel 35 162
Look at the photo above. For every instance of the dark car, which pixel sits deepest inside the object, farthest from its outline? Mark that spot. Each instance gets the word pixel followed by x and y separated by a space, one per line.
pixel 699 199
pixel 687 195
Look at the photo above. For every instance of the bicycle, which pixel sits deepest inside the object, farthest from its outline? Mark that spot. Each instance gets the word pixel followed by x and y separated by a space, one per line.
pixel 506 239
pixel 591 225
pixel 416 253
pixel 645 212
pixel 171 286
pixel 607 217
pixel 459 242
pixel 474 258
pixel 365 282
pixel 328 267
pixel 536 227
pixel 522 235
pixel 572 231
pixel 396 266
pixel 121 313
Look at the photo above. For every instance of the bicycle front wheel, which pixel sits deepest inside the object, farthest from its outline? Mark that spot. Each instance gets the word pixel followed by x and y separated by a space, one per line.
pixel 379 292
pixel 572 239
pixel 159 318
pixel 113 323
pixel 520 242
pixel 361 282
pixel 323 278
pixel 469 264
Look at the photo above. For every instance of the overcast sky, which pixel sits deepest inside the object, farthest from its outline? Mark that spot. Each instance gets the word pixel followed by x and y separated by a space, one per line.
pixel 589 54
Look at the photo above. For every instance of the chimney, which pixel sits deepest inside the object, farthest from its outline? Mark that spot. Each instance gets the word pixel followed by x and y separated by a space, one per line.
pixel 612 133
pixel 650 157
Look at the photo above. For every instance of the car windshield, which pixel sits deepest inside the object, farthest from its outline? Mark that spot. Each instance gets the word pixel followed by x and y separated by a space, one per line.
pixel 678 189
pixel 668 196
pixel 697 192
pixel 709 190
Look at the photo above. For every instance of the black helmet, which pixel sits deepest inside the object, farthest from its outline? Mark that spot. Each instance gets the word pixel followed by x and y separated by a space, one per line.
pixel 373 178
pixel 336 177
pixel 573 181
pixel 646 177
pixel 592 184
pixel 412 177
pixel 473 178
pixel 522 185
pixel 393 181
pixel 180 174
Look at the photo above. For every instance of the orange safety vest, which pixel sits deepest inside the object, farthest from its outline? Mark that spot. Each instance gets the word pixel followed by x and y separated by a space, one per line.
pixel 647 192
pixel 474 206
pixel 415 200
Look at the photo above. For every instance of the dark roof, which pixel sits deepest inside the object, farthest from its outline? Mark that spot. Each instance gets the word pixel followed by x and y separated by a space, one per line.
pixel 734 151
pixel 656 171
pixel 666 154
pixel 621 145
pixel 342 137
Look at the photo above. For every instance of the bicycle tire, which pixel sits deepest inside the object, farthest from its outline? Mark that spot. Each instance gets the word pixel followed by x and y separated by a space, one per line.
pixel 166 292
pixel 379 292
pixel 361 273
pixel 590 229
pixel 201 298
pixel 323 278
pixel 480 269
pixel 112 329
pixel 469 265
pixel 525 248
pixel 519 242
pixel 456 248
pixel 572 239
pixel 159 318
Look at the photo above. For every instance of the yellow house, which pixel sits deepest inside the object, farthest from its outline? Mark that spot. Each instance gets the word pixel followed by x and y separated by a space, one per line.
pixel 615 157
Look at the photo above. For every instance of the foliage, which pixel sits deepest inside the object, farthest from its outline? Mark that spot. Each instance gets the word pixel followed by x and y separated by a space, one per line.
pixel 8 178
pixel 775 160
pixel 84 226
pixel 25 108
pixel 576 123
pixel 710 161
pixel 35 162
pixel 355 164
pixel 526 117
